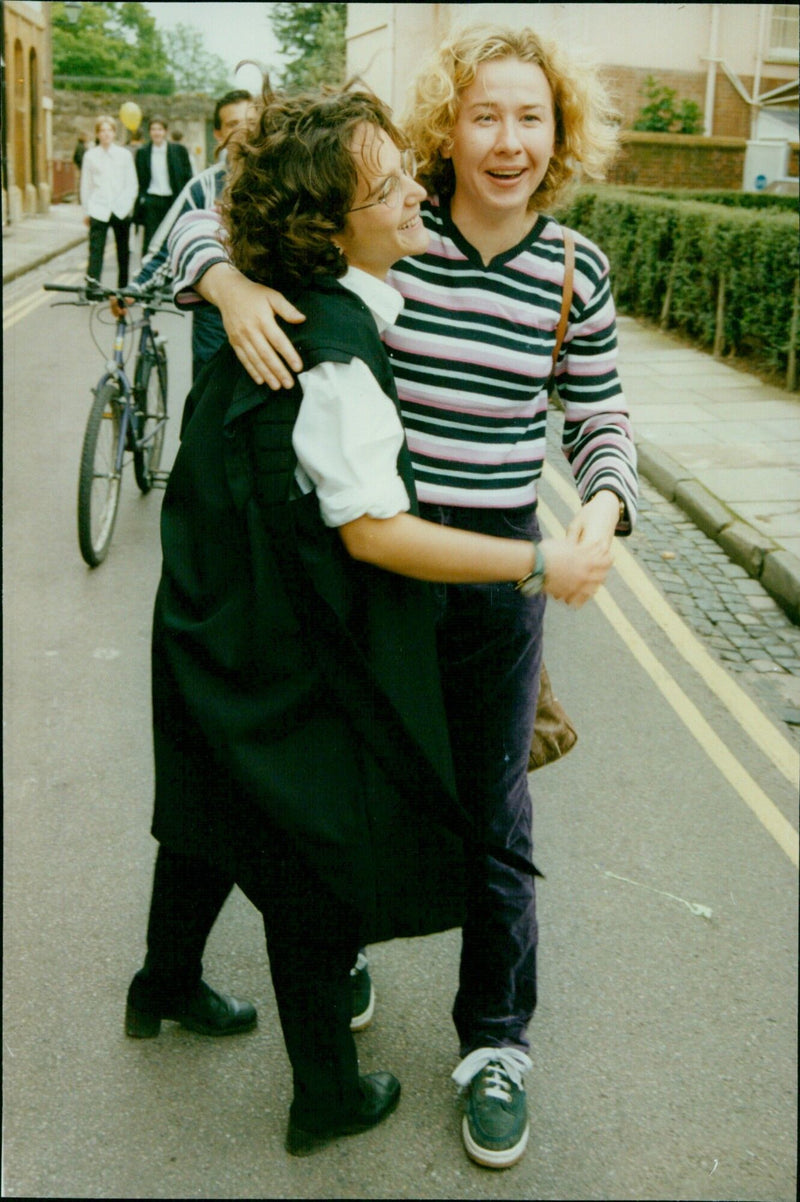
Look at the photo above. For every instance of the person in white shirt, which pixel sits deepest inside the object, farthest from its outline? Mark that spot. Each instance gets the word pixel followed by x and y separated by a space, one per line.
pixel 108 194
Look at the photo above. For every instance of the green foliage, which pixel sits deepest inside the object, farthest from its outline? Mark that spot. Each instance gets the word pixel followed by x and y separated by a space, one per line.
pixel 312 37
pixel 663 116
pixel 768 201
pixel 112 46
pixel 193 67
pixel 668 256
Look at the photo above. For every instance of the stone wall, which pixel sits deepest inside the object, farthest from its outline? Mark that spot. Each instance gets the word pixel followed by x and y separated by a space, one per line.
pixel 75 113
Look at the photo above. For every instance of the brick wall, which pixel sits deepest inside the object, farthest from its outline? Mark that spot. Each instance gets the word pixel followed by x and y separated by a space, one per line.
pixel 678 161
pixel 626 84
pixel 731 113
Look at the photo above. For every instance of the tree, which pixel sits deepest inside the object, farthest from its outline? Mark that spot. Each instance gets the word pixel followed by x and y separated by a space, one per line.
pixel 113 46
pixel 312 37
pixel 662 116
pixel 193 67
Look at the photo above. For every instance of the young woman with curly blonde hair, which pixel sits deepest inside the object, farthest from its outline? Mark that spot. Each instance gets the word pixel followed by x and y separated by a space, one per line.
pixel 586 136
pixel 504 124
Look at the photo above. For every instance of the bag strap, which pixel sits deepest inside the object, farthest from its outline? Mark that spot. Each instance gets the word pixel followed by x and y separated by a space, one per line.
pixel 566 298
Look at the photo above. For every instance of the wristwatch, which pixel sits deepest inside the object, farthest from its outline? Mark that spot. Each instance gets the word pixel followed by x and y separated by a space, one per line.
pixel 532 584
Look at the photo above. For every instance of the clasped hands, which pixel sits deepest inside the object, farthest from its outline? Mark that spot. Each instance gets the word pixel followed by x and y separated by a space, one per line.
pixel 578 563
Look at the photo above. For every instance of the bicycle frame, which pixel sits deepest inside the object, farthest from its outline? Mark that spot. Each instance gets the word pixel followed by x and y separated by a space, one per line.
pixel 148 345
pixel 138 413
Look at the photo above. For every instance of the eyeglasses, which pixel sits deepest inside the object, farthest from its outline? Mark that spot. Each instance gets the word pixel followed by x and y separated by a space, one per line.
pixel 390 191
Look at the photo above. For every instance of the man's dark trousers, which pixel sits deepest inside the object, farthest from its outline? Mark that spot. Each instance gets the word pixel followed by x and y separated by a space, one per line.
pixel 155 210
pixel 98 231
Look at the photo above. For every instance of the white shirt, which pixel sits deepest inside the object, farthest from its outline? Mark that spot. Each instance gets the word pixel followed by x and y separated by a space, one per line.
pixel 348 432
pixel 159 175
pixel 108 182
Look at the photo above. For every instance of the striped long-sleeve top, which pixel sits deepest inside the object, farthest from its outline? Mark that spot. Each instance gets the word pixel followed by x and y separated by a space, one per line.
pixel 472 358
pixel 201 193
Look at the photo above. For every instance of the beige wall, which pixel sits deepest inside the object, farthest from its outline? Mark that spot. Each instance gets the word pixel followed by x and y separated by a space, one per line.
pixel 386 42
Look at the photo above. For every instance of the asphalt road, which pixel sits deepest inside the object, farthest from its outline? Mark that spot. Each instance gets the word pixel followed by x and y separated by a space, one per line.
pixel 664 1045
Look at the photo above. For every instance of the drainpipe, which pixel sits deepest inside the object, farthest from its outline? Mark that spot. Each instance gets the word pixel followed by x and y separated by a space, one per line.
pixel 762 33
pixel 711 76
pixel 392 32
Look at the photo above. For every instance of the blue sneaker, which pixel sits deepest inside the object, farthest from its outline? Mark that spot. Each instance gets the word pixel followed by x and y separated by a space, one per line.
pixel 363 995
pixel 495 1126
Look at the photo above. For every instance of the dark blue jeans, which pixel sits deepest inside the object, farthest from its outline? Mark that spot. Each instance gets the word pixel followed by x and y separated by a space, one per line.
pixel 490 650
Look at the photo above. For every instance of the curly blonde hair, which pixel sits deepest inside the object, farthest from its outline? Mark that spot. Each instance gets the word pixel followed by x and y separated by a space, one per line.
pixel 293 181
pixel 586 131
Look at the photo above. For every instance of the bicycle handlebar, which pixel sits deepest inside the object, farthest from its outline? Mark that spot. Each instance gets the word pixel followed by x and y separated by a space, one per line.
pixel 88 292
pixel 63 288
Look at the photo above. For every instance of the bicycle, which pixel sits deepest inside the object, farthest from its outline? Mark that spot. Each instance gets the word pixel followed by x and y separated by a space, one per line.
pixel 124 419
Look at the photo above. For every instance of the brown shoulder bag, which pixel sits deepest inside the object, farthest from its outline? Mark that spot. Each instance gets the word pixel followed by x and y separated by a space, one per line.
pixel 553 733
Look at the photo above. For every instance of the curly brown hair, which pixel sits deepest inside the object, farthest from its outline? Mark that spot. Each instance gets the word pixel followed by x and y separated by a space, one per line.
pixel 294 181
pixel 586 121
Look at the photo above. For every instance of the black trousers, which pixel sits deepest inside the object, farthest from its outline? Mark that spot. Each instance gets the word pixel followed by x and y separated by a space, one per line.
pixel 312 943
pixel 98 231
pixel 155 210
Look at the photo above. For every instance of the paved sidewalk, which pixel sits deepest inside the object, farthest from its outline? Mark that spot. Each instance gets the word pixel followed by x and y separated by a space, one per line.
pixel 35 240
pixel 718 442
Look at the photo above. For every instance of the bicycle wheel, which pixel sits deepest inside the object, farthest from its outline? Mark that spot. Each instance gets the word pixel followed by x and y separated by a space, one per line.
pixel 150 391
pixel 98 481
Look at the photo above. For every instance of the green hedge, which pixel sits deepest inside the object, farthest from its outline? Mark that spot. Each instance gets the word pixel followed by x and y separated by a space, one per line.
pixel 725 278
pixel 767 201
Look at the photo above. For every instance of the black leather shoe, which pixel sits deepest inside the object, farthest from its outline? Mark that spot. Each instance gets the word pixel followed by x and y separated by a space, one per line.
pixel 207 1012
pixel 380 1093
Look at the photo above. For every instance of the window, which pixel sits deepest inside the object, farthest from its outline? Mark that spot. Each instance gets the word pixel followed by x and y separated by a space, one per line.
pixel 784 33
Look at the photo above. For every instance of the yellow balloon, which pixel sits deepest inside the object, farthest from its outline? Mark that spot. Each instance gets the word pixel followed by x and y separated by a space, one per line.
pixel 130 115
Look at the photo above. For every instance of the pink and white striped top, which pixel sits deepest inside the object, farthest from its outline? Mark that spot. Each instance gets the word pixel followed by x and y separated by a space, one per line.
pixel 471 355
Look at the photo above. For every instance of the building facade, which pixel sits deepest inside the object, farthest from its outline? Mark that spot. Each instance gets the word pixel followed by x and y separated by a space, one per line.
pixel 738 62
pixel 27 98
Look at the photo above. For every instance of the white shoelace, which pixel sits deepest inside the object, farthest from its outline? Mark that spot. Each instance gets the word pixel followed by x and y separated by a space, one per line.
pixel 361 962
pixel 511 1062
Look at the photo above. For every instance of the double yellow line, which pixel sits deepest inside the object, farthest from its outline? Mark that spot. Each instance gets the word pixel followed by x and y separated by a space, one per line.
pixel 767 738
pixel 28 304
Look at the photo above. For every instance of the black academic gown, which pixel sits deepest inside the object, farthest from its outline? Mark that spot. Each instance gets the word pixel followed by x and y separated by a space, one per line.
pixel 295 689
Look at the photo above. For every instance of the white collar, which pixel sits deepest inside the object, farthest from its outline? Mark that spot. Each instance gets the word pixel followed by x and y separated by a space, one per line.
pixel 383 301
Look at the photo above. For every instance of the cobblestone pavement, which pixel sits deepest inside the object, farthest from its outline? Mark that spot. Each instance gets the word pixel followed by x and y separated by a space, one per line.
pixel 737 620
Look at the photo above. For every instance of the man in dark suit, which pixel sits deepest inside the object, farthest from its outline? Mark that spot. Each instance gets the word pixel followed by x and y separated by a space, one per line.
pixel 163 169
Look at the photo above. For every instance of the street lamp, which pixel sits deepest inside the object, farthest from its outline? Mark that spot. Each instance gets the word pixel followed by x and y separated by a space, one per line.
pixel 73 10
